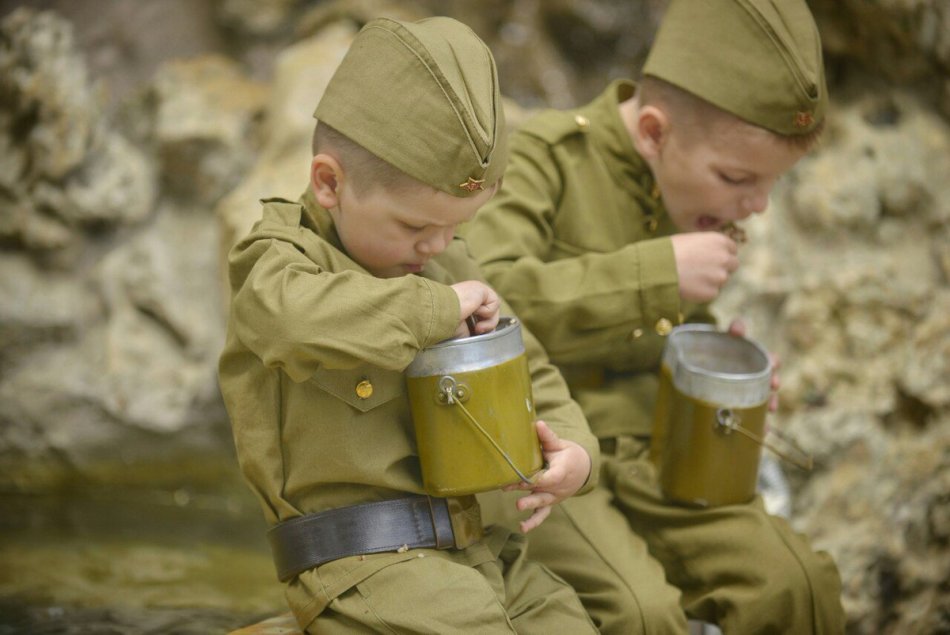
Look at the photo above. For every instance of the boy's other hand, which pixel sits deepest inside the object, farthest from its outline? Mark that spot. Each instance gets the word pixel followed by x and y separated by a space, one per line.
pixel 704 262
pixel 568 467
pixel 479 306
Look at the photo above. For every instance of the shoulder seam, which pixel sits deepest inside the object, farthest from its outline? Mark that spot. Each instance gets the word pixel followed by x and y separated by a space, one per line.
pixel 552 126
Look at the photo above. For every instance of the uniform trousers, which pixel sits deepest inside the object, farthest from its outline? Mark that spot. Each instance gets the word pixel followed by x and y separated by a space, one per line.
pixel 489 587
pixel 643 565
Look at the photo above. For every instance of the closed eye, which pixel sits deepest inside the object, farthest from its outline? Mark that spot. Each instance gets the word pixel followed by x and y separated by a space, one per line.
pixel 733 180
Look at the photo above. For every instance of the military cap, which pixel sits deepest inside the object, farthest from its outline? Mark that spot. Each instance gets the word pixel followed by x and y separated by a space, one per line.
pixel 757 59
pixel 424 97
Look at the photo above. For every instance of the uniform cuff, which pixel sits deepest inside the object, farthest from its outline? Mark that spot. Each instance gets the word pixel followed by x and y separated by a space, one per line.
pixel 445 312
pixel 659 284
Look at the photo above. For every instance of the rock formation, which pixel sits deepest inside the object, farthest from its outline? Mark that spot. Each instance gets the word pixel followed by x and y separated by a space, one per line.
pixel 116 210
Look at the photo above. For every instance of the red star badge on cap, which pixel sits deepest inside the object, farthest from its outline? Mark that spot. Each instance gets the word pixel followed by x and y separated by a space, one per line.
pixel 472 184
pixel 803 119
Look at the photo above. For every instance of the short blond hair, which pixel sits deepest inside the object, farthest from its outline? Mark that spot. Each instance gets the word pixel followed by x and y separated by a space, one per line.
pixel 699 116
pixel 365 170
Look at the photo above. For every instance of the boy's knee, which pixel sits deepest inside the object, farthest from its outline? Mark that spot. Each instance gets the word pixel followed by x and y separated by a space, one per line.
pixel 664 618
pixel 824 592
pixel 645 611
pixel 802 597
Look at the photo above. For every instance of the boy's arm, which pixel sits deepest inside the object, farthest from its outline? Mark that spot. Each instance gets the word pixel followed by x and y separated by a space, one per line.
pixel 583 307
pixel 297 316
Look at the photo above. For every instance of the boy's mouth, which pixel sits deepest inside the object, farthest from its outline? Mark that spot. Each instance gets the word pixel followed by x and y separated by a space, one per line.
pixel 708 223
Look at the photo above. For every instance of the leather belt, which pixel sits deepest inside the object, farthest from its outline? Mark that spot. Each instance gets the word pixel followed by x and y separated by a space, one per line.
pixel 392 525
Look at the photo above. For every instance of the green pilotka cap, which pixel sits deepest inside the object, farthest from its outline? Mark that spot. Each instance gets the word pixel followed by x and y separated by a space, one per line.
pixel 424 97
pixel 757 59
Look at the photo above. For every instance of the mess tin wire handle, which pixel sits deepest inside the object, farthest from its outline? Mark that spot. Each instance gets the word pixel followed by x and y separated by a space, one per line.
pixel 727 420
pixel 452 394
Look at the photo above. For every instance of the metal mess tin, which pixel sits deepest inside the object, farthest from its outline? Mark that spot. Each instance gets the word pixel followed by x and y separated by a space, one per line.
pixel 474 413
pixel 709 421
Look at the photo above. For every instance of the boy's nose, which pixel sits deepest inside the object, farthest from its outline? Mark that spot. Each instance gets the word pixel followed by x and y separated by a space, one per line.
pixel 437 242
pixel 756 200
pixel 755 203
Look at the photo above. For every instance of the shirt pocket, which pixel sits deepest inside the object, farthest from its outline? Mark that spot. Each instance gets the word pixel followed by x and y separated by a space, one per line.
pixel 363 388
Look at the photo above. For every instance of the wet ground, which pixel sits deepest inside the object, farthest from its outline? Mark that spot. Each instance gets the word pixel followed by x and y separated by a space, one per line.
pixel 134 561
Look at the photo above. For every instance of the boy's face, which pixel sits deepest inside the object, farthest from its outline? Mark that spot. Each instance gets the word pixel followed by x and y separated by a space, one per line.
pixel 391 234
pixel 710 180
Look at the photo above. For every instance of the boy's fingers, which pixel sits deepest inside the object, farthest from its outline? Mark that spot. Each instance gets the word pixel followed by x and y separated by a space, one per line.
pixel 737 328
pixel 488 324
pixel 775 361
pixel 536 500
pixel 548 437
pixel 535 519
pixel 521 485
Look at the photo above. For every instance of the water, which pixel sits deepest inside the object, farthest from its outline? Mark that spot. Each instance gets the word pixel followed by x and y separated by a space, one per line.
pixel 102 560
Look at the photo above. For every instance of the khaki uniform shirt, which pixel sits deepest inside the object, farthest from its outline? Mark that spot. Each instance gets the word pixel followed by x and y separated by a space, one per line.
pixel 577 240
pixel 311 372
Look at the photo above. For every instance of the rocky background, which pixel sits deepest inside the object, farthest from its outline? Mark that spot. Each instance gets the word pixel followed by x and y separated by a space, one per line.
pixel 136 137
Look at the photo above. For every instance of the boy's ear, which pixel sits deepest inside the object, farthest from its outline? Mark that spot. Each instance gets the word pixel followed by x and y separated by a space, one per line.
pixel 652 129
pixel 326 177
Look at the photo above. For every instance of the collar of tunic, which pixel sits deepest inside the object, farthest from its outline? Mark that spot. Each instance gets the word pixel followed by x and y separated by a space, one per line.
pixel 627 167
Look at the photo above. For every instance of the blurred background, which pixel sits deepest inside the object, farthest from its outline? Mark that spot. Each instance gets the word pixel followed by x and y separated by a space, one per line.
pixel 136 137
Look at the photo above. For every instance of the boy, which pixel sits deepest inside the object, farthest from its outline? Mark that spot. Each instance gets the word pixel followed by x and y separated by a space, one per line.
pixel 605 234
pixel 332 297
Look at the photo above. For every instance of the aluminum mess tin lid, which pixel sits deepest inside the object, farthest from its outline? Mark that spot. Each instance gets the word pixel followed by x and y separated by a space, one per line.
pixel 717 367
pixel 467 354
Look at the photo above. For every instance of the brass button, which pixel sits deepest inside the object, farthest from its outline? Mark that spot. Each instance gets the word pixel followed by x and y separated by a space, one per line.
pixel 364 389
pixel 637 333
pixel 663 326
pixel 582 122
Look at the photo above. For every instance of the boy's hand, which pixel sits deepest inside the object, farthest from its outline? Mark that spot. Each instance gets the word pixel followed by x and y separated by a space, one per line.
pixel 479 306
pixel 704 262
pixel 568 466
pixel 737 328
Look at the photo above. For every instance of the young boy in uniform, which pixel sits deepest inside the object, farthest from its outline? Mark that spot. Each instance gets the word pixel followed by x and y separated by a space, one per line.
pixel 332 297
pixel 607 232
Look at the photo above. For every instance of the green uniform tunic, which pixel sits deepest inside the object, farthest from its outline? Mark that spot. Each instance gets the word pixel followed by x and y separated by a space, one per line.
pixel 578 242
pixel 312 378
